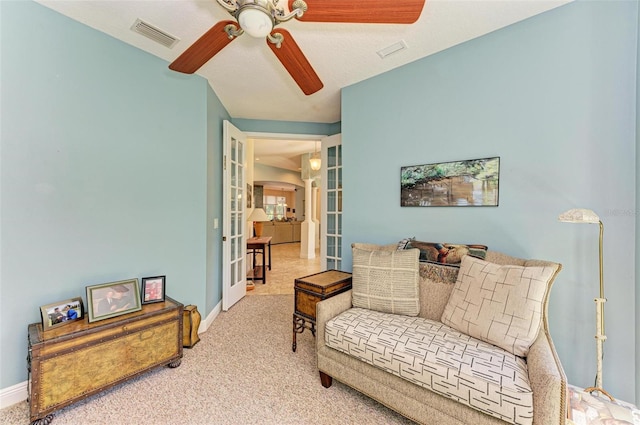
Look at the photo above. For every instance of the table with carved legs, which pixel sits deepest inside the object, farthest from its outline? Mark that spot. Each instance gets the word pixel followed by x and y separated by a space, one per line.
pixel 310 290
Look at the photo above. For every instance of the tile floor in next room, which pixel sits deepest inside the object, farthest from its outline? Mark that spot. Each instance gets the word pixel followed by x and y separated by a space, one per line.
pixel 286 267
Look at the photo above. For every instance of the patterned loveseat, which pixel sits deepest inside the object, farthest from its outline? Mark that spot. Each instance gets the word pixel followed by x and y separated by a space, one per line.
pixel 410 348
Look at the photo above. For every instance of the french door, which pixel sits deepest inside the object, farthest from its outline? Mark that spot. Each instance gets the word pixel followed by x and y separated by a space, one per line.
pixel 234 277
pixel 331 234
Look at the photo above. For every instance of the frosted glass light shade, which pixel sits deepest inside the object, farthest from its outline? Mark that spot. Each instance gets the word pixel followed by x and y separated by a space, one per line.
pixel 579 215
pixel 315 163
pixel 255 22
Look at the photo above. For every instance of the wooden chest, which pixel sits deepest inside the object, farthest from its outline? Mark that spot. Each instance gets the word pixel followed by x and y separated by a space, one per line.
pixel 72 362
pixel 312 289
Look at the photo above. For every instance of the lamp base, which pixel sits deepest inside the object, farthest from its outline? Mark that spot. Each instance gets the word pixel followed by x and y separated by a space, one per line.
pixel 258 227
pixel 600 390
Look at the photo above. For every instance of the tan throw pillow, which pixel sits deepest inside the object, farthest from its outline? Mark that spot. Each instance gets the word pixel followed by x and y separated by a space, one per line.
pixel 385 280
pixel 501 305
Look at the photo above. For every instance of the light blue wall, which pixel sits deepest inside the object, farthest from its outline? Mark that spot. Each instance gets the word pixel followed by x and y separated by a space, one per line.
pixel 555 98
pixel 103 172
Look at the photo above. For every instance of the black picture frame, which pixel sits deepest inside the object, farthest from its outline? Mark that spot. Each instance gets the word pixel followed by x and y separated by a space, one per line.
pixel 61 313
pixel 152 289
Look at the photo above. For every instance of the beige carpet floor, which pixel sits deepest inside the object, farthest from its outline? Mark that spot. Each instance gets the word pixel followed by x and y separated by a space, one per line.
pixel 241 372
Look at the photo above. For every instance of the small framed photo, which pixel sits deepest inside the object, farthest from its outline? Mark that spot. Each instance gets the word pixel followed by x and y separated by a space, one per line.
pixel 61 313
pixel 153 289
pixel 113 299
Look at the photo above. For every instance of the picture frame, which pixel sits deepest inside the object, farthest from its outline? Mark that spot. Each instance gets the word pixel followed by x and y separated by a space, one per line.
pixel 107 300
pixel 467 183
pixel 258 196
pixel 61 313
pixel 153 289
pixel 249 196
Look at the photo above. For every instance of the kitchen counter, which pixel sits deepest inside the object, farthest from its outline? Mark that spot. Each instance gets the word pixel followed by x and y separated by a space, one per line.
pixel 282 231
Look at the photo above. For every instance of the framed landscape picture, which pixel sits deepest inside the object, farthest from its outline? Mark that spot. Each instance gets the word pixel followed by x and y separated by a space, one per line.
pixel 469 183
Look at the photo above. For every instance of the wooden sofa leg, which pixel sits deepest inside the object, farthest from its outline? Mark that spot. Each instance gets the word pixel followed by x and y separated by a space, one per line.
pixel 325 379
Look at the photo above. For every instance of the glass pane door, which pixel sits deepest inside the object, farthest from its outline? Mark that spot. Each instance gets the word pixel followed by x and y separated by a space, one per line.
pixel 236 258
pixel 234 193
pixel 331 250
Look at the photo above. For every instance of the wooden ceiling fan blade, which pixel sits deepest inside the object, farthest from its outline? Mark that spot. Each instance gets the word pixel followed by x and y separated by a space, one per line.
pixel 203 49
pixel 296 63
pixel 366 12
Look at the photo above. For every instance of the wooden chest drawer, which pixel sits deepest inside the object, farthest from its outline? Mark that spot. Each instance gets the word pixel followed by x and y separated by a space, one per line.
pixel 312 289
pixel 306 303
pixel 72 362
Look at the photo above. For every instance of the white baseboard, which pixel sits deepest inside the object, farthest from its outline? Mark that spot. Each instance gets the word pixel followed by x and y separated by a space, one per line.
pixel 17 393
pixel 12 395
pixel 204 324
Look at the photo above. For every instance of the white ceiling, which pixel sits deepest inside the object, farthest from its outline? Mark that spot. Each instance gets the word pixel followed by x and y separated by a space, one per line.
pixel 282 153
pixel 250 81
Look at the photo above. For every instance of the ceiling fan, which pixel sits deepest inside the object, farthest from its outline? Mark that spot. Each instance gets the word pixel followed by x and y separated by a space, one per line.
pixel 258 18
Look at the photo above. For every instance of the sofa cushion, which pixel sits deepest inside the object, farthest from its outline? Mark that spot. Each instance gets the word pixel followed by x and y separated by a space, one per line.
pixel 446 253
pixel 385 280
pixel 439 358
pixel 499 304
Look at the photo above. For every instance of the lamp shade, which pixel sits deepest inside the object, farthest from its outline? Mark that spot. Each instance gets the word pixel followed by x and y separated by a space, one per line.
pixel 315 163
pixel 314 160
pixel 256 22
pixel 579 215
pixel 258 214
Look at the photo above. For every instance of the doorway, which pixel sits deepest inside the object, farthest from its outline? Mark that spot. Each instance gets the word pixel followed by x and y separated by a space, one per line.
pixel 274 167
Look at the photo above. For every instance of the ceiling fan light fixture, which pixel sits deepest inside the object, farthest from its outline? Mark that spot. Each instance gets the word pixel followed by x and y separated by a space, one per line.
pixel 259 17
pixel 255 21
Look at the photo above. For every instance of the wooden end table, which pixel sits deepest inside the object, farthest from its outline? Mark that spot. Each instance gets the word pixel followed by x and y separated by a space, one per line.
pixel 259 246
pixel 310 290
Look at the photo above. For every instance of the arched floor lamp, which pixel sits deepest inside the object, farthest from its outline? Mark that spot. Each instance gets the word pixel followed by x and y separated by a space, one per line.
pixel 581 215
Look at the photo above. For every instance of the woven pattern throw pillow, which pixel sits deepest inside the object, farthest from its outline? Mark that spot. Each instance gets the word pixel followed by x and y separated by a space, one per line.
pixel 385 280
pixel 501 305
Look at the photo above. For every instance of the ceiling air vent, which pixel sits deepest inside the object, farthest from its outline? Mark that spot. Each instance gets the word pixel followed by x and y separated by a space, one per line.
pixel 394 48
pixel 155 34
